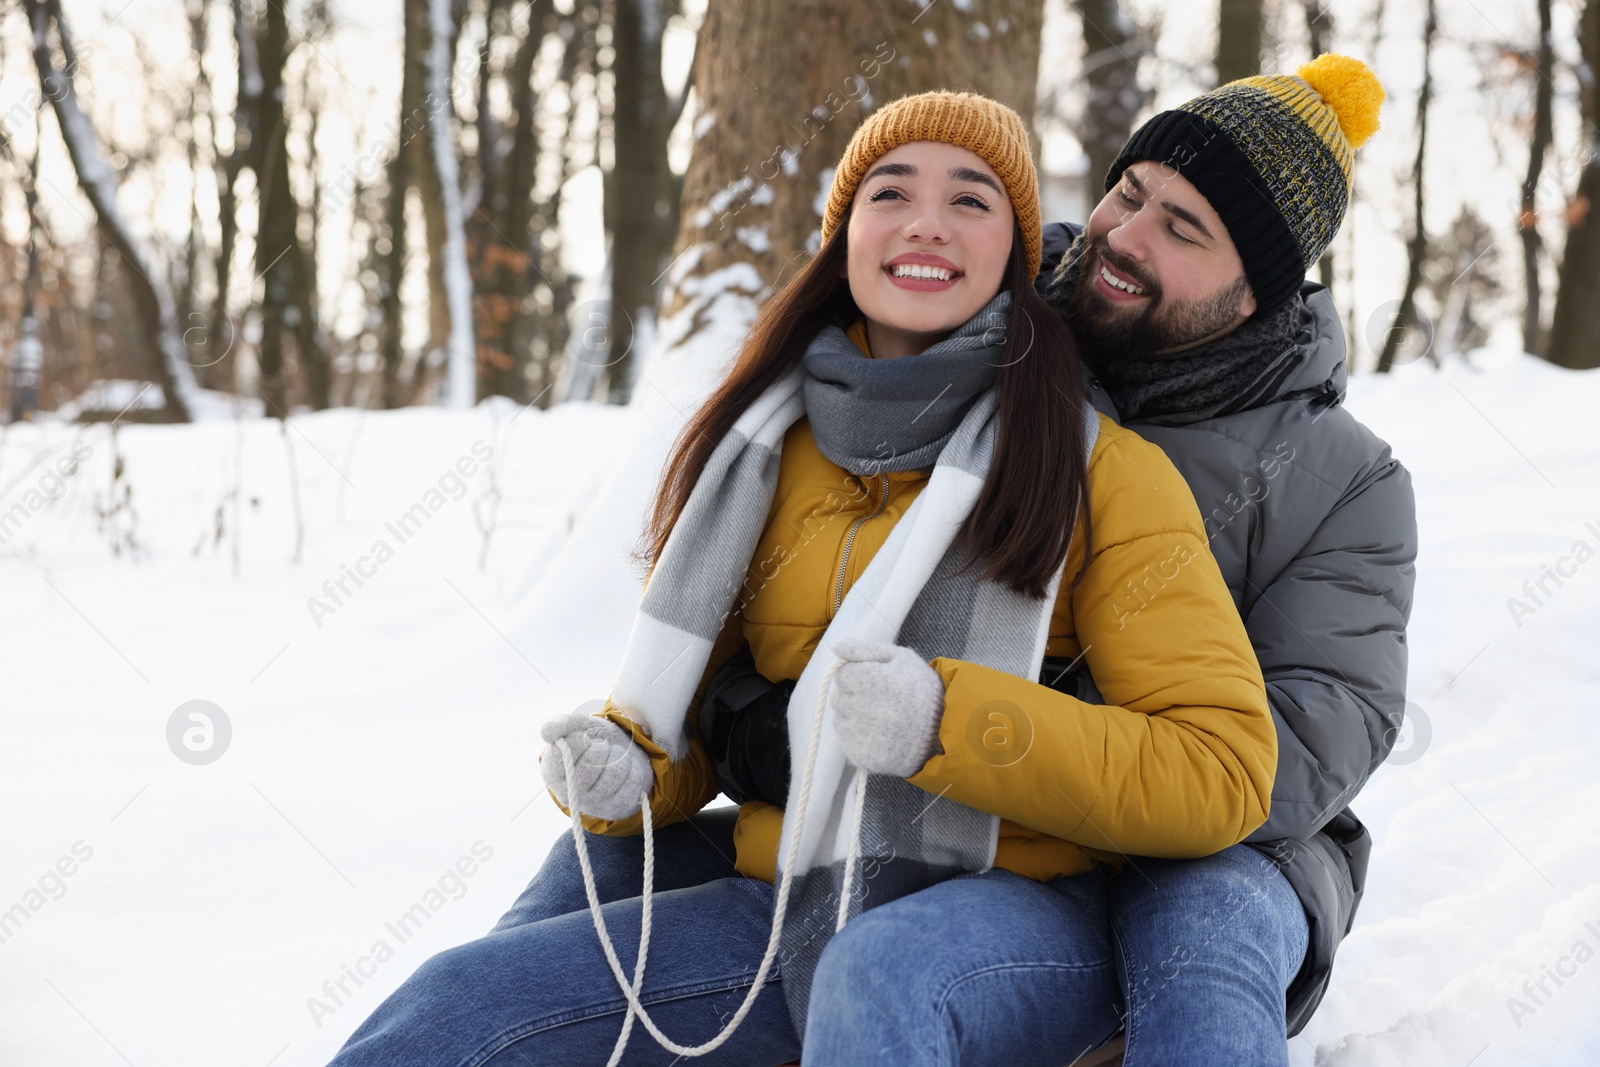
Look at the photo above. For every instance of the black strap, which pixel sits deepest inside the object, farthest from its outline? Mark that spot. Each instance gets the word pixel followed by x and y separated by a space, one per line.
pixel 744 726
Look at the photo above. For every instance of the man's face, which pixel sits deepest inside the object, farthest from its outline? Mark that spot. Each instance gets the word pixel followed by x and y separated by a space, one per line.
pixel 1159 273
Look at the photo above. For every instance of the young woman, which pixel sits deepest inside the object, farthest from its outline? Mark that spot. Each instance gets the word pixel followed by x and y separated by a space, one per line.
pixel 899 473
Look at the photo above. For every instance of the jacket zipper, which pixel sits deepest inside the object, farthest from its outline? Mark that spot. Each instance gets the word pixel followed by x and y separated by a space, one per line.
pixel 849 540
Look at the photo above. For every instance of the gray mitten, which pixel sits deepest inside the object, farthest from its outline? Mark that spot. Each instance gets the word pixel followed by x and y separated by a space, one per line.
pixel 887 705
pixel 610 770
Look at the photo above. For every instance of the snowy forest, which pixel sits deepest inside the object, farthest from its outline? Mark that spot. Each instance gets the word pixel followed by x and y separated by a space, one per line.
pixel 285 281
pixel 306 207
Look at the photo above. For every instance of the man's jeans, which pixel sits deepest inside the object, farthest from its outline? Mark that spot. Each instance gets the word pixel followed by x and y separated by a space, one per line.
pixel 990 968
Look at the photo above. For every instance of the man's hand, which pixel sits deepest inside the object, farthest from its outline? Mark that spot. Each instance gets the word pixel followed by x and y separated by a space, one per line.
pixel 887 703
pixel 610 771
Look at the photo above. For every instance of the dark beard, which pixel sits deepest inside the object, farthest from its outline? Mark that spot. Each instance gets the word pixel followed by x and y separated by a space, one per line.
pixel 1105 331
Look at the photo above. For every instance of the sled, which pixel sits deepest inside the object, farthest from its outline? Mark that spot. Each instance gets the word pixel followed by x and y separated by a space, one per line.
pixel 1107 1055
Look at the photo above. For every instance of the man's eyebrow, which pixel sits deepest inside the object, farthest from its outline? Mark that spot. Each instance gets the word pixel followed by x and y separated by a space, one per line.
pixel 967 174
pixel 1169 207
pixel 1187 216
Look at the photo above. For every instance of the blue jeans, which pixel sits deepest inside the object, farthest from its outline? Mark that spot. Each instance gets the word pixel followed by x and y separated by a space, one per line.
pixel 972 970
pixel 978 969
pixel 1206 950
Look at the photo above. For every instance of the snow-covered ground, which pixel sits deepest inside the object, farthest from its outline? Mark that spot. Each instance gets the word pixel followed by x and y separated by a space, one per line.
pixel 384 738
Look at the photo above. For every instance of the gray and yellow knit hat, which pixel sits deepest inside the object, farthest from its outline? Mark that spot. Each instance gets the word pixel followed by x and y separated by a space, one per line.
pixel 1273 155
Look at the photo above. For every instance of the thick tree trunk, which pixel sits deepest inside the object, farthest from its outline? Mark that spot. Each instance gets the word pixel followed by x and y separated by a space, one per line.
pixel 1238 39
pixel 1575 328
pixel 637 187
pixel 780 95
pixel 1417 247
pixel 1528 220
pixel 1111 54
pixel 157 315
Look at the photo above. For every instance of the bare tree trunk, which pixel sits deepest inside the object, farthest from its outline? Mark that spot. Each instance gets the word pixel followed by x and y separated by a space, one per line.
pixel 1238 39
pixel 429 193
pixel 1374 38
pixel 400 177
pixel 780 95
pixel 1417 247
pixel 1111 54
pixel 552 331
pixel 637 187
pixel 491 310
pixel 1319 27
pixel 288 302
pixel 1528 220
pixel 439 185
pixel 495 24
pixel 189 297
pixel 320 375
pixel 227 166
pixel 274 231
pixel 1575 328
pixel 498 233
pixel 27 354
pixel 461 349
pixel 157 315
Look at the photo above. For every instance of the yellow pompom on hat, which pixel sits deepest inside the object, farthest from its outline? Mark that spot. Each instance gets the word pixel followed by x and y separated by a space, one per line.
pixel 985 127
pixel 1274 155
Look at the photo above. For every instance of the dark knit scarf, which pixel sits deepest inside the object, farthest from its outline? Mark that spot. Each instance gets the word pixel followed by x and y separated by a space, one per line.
pixel 1229 374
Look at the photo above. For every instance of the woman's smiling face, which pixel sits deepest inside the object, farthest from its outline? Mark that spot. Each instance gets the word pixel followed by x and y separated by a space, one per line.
pixel 929 237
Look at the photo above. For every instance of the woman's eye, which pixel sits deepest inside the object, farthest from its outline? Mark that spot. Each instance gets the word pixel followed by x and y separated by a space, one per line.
pixel 971 201
pixel 881 193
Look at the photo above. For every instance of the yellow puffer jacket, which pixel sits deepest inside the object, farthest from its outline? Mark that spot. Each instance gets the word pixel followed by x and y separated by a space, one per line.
pixel 1179 762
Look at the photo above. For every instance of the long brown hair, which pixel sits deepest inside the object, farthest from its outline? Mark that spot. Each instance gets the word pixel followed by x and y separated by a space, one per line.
pixel 1037 484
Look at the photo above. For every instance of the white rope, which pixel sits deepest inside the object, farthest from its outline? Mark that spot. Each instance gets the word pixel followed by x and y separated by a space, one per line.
pixel 631 991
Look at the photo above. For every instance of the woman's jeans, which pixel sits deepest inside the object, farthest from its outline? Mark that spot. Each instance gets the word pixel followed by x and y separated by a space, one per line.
pixel 990 968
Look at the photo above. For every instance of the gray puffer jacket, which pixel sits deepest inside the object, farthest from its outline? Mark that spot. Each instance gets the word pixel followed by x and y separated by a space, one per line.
pixel 1313 524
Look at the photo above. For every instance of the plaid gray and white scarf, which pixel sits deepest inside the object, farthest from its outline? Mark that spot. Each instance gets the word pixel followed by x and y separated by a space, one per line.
pixel 867 415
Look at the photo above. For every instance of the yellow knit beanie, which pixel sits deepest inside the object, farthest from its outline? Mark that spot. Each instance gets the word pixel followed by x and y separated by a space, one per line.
pixel 985 127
